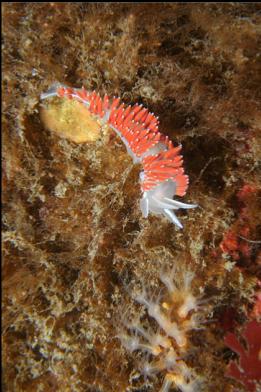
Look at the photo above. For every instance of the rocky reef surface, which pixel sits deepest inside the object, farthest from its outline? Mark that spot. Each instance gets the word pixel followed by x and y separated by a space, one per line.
pixel 75 244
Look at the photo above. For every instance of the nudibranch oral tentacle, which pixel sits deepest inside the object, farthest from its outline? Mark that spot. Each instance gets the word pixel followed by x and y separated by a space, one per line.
pixel 163 175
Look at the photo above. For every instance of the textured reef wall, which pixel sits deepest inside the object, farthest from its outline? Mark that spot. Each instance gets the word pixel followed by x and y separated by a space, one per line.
pixel 74 241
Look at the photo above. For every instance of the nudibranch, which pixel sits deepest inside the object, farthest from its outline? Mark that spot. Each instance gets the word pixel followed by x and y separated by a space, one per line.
pixel 162 176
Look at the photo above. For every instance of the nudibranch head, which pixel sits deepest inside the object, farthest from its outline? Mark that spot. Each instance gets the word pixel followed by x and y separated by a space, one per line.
pixel 159 200
pixel 163 175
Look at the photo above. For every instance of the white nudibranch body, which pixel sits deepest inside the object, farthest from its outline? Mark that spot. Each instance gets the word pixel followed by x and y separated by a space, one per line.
pixel 162 176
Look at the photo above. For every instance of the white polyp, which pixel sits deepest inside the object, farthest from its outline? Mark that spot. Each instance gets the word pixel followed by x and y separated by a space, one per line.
pixel 133 343
pixel 169 283
pixel 170 359
pixel 130 343
pixel 187 387
pixel 170 328
pixel 148 369
pixel 166 384
pixel 188 276
pixel 160 340
pixel 189 304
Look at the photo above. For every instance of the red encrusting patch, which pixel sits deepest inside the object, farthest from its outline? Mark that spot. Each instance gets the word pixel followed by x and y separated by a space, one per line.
pixel 139 128
pixel 248 370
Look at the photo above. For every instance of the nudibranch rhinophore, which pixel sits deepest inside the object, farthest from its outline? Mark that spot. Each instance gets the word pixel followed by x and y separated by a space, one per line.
pixel 163 175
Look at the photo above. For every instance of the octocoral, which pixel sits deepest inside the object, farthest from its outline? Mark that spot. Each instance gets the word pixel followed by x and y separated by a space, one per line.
pixel 164 347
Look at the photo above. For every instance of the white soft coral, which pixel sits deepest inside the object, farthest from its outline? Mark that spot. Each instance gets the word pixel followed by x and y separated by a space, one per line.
pixel 165 344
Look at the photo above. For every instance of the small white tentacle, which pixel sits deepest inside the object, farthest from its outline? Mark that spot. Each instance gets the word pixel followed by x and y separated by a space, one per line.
pixel 164 205
pixel 144 206
pixel 172 216
pixel 52 91
pixel 179 204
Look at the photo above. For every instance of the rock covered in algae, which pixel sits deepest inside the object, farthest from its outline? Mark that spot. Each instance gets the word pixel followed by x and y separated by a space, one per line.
pixel 73 235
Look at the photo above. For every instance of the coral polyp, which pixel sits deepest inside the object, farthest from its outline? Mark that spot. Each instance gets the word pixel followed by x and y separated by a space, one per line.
pixel 163 175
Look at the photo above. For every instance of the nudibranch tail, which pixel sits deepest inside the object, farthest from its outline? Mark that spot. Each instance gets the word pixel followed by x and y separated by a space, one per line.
pixel 163 175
